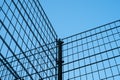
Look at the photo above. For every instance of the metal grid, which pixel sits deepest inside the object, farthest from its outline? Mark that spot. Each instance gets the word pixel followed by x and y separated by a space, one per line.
pixel 93 54
pixel 29 48
pixel 27 42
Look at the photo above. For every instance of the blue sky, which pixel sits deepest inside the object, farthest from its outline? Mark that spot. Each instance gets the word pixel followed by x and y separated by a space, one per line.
pixel 73 16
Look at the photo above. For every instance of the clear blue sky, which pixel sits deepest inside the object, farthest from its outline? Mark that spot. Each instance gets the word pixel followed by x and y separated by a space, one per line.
pixel 73 16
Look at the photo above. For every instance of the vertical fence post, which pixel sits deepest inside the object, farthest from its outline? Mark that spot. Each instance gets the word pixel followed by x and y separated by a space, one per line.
pixel 59 60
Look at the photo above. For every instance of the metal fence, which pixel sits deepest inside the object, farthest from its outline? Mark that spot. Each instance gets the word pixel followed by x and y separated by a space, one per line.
pixel 93 54
pixel 30 50
pixel 27 41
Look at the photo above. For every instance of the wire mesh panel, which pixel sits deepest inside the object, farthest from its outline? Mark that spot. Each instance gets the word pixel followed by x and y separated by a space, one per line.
pixel 28 48
pixel 27 41
pixel 93 54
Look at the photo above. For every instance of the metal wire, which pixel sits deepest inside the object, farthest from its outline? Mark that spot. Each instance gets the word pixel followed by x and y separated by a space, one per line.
pixel 93 54
pixel 28 47
pixel 27 41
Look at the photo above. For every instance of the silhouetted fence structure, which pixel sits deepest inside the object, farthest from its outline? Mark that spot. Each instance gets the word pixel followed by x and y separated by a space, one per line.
pixel 27 41
pixel 93 54
pixel 30 48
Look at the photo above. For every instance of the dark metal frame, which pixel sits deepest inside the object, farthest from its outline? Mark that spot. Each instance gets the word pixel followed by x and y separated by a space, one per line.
pixel 59 60
pixel 30 48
